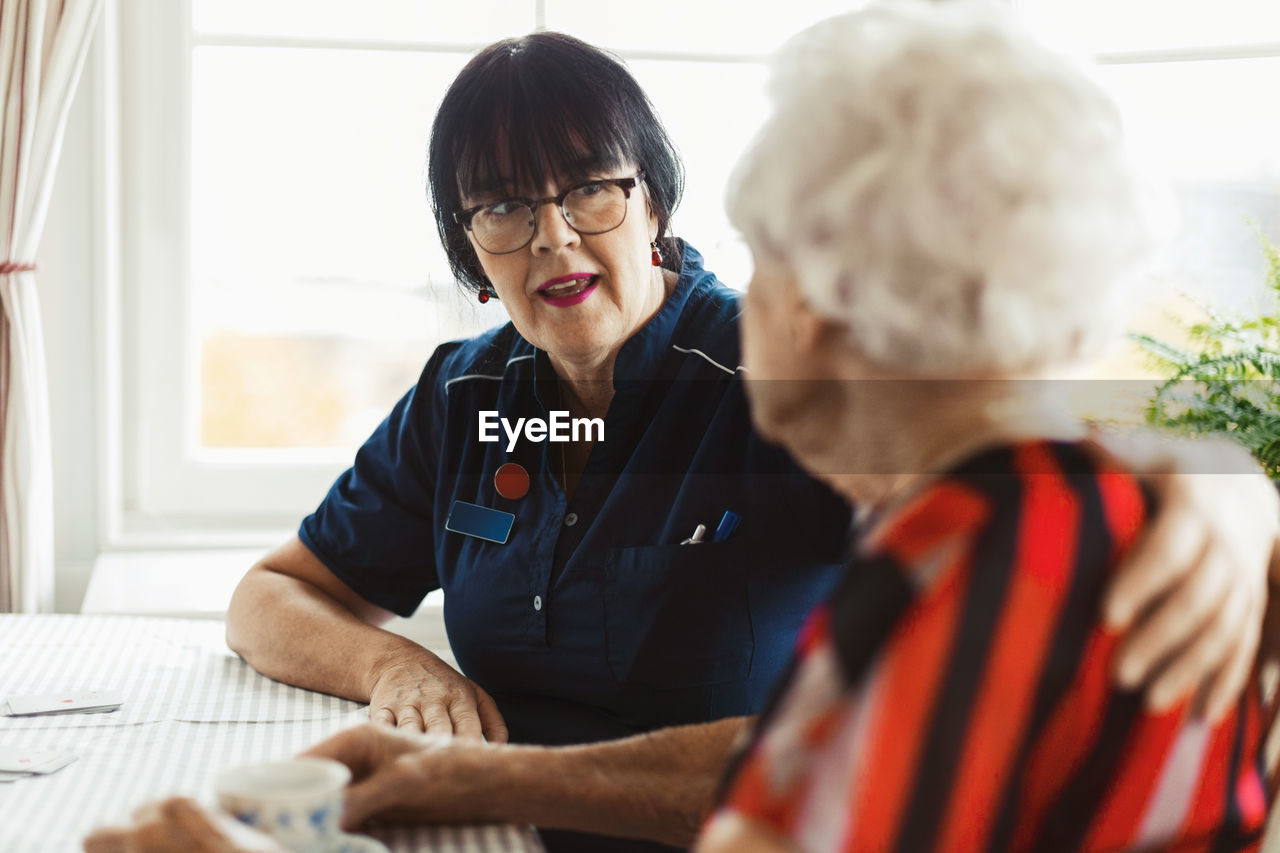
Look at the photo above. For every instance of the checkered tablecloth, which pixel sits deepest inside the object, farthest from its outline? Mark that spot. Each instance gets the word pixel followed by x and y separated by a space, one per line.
pixel 191 707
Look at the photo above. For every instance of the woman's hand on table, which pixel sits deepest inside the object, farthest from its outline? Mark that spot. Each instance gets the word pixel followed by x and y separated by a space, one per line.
pixel 418 691
pixel 179 825
pixel 1191 595
pixel 409 777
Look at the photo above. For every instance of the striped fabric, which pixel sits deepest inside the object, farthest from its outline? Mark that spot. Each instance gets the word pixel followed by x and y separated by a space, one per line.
pixel 191 708
pixel 954 693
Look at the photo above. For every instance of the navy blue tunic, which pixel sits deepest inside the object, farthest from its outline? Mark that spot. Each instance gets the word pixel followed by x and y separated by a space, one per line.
pixel 593 621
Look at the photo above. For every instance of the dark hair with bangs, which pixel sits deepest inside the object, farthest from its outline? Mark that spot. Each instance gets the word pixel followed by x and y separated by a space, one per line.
pixel 545 104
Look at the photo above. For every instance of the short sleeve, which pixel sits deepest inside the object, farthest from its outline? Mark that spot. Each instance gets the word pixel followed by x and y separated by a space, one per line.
pixel 374 529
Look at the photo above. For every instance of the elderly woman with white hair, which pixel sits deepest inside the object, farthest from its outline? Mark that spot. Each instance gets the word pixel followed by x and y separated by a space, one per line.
pixel 941 209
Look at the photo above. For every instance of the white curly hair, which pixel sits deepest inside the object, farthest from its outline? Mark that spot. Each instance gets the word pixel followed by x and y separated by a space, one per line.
pixel 958 195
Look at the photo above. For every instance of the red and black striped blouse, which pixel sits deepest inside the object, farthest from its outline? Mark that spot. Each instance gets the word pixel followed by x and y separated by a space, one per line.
pixel 954 694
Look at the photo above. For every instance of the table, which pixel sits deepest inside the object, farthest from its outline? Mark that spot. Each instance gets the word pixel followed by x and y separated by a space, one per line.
pixel 191 708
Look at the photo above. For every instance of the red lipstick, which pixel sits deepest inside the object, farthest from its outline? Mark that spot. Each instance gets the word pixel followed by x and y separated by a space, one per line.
pixel 568 290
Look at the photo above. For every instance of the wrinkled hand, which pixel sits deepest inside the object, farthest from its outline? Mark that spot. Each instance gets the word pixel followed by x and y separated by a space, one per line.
pixel 1192 593
pixel 409 777
pixel 179 826
pixel 418 691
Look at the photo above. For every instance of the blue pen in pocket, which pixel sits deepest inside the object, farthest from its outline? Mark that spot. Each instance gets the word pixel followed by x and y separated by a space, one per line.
pixel 728 523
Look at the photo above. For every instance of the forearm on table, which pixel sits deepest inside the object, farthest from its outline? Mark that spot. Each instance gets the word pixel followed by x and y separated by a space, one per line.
pixel 292 631
pixel 659 786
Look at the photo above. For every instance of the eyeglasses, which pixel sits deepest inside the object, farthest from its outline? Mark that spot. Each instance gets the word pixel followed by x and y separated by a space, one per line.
pixel 591 208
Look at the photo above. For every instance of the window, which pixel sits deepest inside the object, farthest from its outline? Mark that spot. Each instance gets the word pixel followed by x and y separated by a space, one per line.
pixel 1191 79
pixel 283 280
pixel 285 283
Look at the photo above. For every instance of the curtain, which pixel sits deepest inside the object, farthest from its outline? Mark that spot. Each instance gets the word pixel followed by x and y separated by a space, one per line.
pixel 43 44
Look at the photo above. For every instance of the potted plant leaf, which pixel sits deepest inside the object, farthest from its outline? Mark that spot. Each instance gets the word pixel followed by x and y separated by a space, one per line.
pixel 1225 380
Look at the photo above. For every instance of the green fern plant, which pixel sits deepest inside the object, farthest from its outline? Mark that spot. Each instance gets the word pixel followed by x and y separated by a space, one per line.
pixel 1227 382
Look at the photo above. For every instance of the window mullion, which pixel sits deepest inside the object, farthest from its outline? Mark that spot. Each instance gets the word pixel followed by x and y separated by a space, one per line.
pixel 1265 50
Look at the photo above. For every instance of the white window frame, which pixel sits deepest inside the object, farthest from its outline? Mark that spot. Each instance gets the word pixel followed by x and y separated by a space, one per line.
pixel 165 478
pixel 164 485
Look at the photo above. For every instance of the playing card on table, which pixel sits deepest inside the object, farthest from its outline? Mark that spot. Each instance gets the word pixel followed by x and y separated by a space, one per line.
pixel 16 759
pixel 96 702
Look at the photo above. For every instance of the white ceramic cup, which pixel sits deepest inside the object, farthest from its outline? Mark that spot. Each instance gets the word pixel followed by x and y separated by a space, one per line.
pixel 297 802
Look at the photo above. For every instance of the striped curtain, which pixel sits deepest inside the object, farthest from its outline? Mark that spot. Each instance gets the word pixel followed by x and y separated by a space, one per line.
pixel 43 44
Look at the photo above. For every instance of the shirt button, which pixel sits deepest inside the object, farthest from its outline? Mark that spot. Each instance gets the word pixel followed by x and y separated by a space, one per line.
pixel 571 519
pixel 537 602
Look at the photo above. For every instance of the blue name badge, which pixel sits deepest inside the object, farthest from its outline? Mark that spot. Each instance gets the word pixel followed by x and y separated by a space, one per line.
pixel 481 522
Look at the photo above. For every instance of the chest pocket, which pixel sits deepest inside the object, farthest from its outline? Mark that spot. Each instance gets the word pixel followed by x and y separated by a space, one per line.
pixel 679 615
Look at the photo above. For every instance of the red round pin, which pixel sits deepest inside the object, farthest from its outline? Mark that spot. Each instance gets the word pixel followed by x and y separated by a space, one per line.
pixel 511 481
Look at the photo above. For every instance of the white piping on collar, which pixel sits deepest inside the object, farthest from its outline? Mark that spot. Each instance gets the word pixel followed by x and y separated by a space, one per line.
pixel 510 362
pixel 709 359
pixel 675 347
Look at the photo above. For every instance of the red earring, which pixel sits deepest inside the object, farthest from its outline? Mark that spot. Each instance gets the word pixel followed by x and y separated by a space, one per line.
pixel 656 257
pixel 483 295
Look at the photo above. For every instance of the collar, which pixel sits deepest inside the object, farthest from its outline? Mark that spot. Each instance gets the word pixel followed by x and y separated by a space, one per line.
pixel 643 353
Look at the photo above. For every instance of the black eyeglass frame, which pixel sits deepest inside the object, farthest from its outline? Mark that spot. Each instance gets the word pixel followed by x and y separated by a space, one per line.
pixel 464 217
